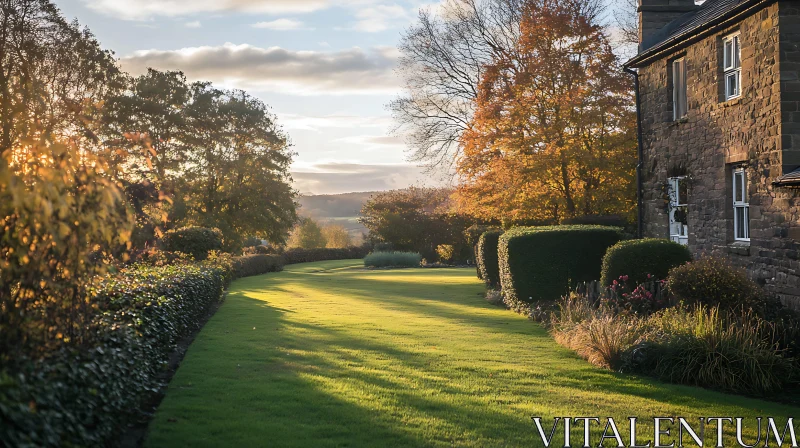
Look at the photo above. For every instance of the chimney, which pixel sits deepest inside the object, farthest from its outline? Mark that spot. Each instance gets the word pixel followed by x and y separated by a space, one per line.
pixel 655 14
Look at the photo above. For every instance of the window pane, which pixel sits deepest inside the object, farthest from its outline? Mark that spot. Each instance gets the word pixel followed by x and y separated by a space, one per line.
pixel 737 187
pixel 740 222
pixel 728 53
pixel 732 85
pixel 746 222
pixel 683 191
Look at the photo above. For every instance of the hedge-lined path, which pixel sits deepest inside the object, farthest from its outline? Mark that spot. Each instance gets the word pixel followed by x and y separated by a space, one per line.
pixel 329 354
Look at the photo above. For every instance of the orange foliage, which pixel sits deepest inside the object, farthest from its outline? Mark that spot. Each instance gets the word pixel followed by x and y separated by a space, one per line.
pixel 553 132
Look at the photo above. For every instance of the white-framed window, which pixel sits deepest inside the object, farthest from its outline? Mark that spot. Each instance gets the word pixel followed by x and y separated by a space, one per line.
pixel 741 206
pixel 679 105
pixel 678 210
pixel 732 65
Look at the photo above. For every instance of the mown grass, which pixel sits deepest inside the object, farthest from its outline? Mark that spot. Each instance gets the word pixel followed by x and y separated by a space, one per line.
pixel 329 354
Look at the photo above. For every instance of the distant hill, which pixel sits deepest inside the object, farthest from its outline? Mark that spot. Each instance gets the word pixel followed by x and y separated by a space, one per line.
pixel 343 209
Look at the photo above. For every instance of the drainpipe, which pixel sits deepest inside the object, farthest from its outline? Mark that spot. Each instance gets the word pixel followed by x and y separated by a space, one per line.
pixel 639 200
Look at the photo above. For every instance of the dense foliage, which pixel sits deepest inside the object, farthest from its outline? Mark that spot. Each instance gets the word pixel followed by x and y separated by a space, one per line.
pixel 78 394
pixel 642 260
pixel 297 255
pixel 486 258
pixel 732 351
pixel 256 264
pixel 195 241
pixel 392 260
pixel 552 136
pixel 541 263
pixel 416 220
pixel 713 281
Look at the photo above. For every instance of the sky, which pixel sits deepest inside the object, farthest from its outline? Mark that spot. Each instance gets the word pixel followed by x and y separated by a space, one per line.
pixel 325 67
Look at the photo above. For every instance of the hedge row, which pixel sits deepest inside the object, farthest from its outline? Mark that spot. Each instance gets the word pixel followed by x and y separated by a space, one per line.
pixel 293 256
pixel 81 395
pixel 486 258
pixel 542 263
pixel 248 265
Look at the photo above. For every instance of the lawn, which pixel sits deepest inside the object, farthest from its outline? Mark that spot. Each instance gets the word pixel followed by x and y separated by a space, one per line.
pixel 329 354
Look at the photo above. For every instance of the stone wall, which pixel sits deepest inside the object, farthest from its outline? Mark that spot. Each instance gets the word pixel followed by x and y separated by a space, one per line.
pixel 717 135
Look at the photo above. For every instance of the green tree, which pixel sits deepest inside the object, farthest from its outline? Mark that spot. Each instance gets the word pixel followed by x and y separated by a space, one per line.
pixel 237 174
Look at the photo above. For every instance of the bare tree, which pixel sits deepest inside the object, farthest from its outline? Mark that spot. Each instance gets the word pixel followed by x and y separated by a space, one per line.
pixel 442 62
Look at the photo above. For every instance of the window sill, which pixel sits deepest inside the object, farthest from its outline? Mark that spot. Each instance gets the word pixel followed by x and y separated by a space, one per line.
pixel 731 102
pixel 683 119
pixel 739 248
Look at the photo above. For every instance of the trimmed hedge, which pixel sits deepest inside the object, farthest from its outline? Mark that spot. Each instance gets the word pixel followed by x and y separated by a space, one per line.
pixel 393 259
pixel 638 258
pixel 82 395
pixel 196 241
pixel 248 265
pixel 486 258
pixel 542 263
pixel 297 255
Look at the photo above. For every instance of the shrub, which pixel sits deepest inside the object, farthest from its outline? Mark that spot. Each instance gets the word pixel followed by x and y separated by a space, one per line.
pixel 712 281
pixel 639 258
pixel 393 259
pixel 541 263
pixel 446 252
pixel 261 249
pixel 248 265
pixel 196 241
pixel 486 258
pixel 80 395
pixel 298 255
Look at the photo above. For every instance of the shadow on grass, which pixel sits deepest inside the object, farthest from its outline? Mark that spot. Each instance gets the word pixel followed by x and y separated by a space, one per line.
pixel 262 373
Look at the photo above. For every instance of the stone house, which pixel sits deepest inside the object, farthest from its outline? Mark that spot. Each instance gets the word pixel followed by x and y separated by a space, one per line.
pixel 718 88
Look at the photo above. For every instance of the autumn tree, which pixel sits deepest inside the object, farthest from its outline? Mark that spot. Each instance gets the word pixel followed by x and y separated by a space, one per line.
pixel 307 234
pixel 553 132
pixel 443 58
pixel 336 236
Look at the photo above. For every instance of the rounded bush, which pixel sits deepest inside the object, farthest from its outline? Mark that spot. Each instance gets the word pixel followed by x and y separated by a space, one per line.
pixel 713 281
pixel 393 259
pixel 196 241
pixel 542 263
pixel 486 258
pixel 256 264
pixel 638 258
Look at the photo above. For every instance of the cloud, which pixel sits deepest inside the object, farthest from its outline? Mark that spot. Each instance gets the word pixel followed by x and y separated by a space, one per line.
pixel 379 18
pixel 317 123
pixel 195 24
pixel 281 25
pixel 373 142
pixel 344 177
pixel 352 71
pixel 147 9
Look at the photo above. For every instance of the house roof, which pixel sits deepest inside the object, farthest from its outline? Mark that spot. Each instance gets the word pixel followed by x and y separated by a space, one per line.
pixel 706 16
pixel 791 178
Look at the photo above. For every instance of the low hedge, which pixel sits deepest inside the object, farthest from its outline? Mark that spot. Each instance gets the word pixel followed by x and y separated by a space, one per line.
pixel 393 259
pixel 486 258
pixel 196 241
pixel 81 395
pixel 248 265
pixel 638 258
pixel 297 255
pixel 542 263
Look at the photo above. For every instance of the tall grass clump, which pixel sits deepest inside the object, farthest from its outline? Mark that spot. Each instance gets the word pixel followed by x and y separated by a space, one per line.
pixel 393 260
pixel 714 348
